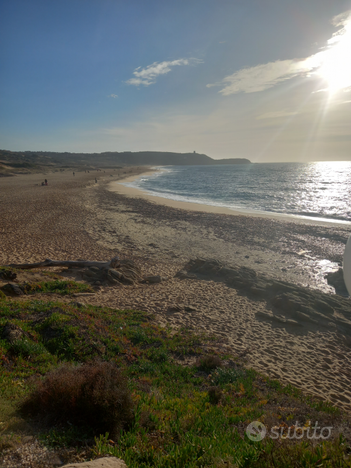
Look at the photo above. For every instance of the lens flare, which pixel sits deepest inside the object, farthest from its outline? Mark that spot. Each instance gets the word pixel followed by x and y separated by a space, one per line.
pixel 335 68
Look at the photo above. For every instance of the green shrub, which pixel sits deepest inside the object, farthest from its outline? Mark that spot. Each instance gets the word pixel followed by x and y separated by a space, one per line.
pixel 157 355
pixel 94 394
pixel 208 363
pixel 26 348
pixel 225 376
pixel 215 395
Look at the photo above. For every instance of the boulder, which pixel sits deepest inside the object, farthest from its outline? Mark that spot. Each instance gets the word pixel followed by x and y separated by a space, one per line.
pixel 12 289
pixel 291 304
pixel 116 275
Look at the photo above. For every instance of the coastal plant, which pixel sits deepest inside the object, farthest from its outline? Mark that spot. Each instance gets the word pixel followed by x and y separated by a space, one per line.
pixel 281 454
pixel 27 348
pixel 215 395
pixel 208 363
pixel 179 416
pixel 157 355
pixel 56 286
pixel 227 376
pixel 94 394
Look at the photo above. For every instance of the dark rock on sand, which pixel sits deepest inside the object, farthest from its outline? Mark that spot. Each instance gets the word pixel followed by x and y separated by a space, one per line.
pixel 123 271
pixel 291 305
pixel 154 279
pixel 12 289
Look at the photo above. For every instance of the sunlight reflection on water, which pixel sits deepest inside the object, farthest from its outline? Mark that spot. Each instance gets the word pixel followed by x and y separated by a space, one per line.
pixel 318 190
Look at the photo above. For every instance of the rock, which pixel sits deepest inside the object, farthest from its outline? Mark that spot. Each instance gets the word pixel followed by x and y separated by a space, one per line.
pixel 11 332
pixel 106 462
pixel 53 459
pixel 183 274
pixel 117 275
pixel 265 315
pixel 12 289
pixel 287 302
pixel 7 275
pixel 292 304
pixel 173 309
pixel 258 292
pixel 89 273
pixel 115 262
pixel 293 322
pixel 154 279
pixel 336 279
pixel 190 309
pixel 76 304
pixel 95 269
pixel 304 317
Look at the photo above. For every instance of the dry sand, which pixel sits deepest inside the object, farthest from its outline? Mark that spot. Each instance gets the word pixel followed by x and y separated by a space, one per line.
pixel 75 218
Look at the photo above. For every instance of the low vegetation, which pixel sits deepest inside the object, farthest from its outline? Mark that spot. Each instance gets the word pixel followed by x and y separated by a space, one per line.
pixel 94 394
pixel 149 395
pixel 56 286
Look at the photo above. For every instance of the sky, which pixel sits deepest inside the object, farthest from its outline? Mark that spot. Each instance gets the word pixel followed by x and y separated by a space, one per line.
pixel 267 80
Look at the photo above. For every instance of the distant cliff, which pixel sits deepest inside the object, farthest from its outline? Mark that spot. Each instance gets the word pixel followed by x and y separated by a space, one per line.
pixel 33 159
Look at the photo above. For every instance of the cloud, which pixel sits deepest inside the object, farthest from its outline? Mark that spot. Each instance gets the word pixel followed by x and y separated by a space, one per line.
pixel 265 76
pixel 114 96
pixel 147 76
pixel 276 115
pixel 328 64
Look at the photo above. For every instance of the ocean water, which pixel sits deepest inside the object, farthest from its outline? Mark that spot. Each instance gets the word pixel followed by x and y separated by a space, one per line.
pixel 317 190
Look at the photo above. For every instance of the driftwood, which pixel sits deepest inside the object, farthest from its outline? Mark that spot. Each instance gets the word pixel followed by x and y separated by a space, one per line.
pixel 113 263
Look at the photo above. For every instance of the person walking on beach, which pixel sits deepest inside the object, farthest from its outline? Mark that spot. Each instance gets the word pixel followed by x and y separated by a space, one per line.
pixel 73 173
pixel 46 182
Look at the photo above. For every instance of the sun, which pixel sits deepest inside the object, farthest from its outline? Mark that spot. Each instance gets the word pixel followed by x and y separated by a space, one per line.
pixel 335 68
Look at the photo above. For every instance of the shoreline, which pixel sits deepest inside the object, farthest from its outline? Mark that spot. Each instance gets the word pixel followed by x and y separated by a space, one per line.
pixel 121 188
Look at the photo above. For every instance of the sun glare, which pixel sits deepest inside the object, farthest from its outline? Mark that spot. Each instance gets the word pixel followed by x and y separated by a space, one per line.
pixel 335 66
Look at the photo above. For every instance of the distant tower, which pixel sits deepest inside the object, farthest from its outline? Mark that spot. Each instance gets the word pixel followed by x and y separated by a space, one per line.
pixel 194 151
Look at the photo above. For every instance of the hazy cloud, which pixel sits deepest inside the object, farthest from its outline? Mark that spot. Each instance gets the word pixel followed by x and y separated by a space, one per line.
pixel 147 76
pixel 114 96
pixel 261 77
pixel 276 115
pixel 265 76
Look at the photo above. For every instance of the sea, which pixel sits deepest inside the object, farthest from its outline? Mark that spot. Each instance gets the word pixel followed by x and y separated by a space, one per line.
pixel 318 190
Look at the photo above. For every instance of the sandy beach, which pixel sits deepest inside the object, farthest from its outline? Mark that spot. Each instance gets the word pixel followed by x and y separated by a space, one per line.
pixel 75 218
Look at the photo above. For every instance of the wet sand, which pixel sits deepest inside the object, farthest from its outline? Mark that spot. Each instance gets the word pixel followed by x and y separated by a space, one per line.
pixel 76 218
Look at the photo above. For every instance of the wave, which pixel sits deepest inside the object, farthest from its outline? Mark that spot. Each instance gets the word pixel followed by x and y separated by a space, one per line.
pixel 296 190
